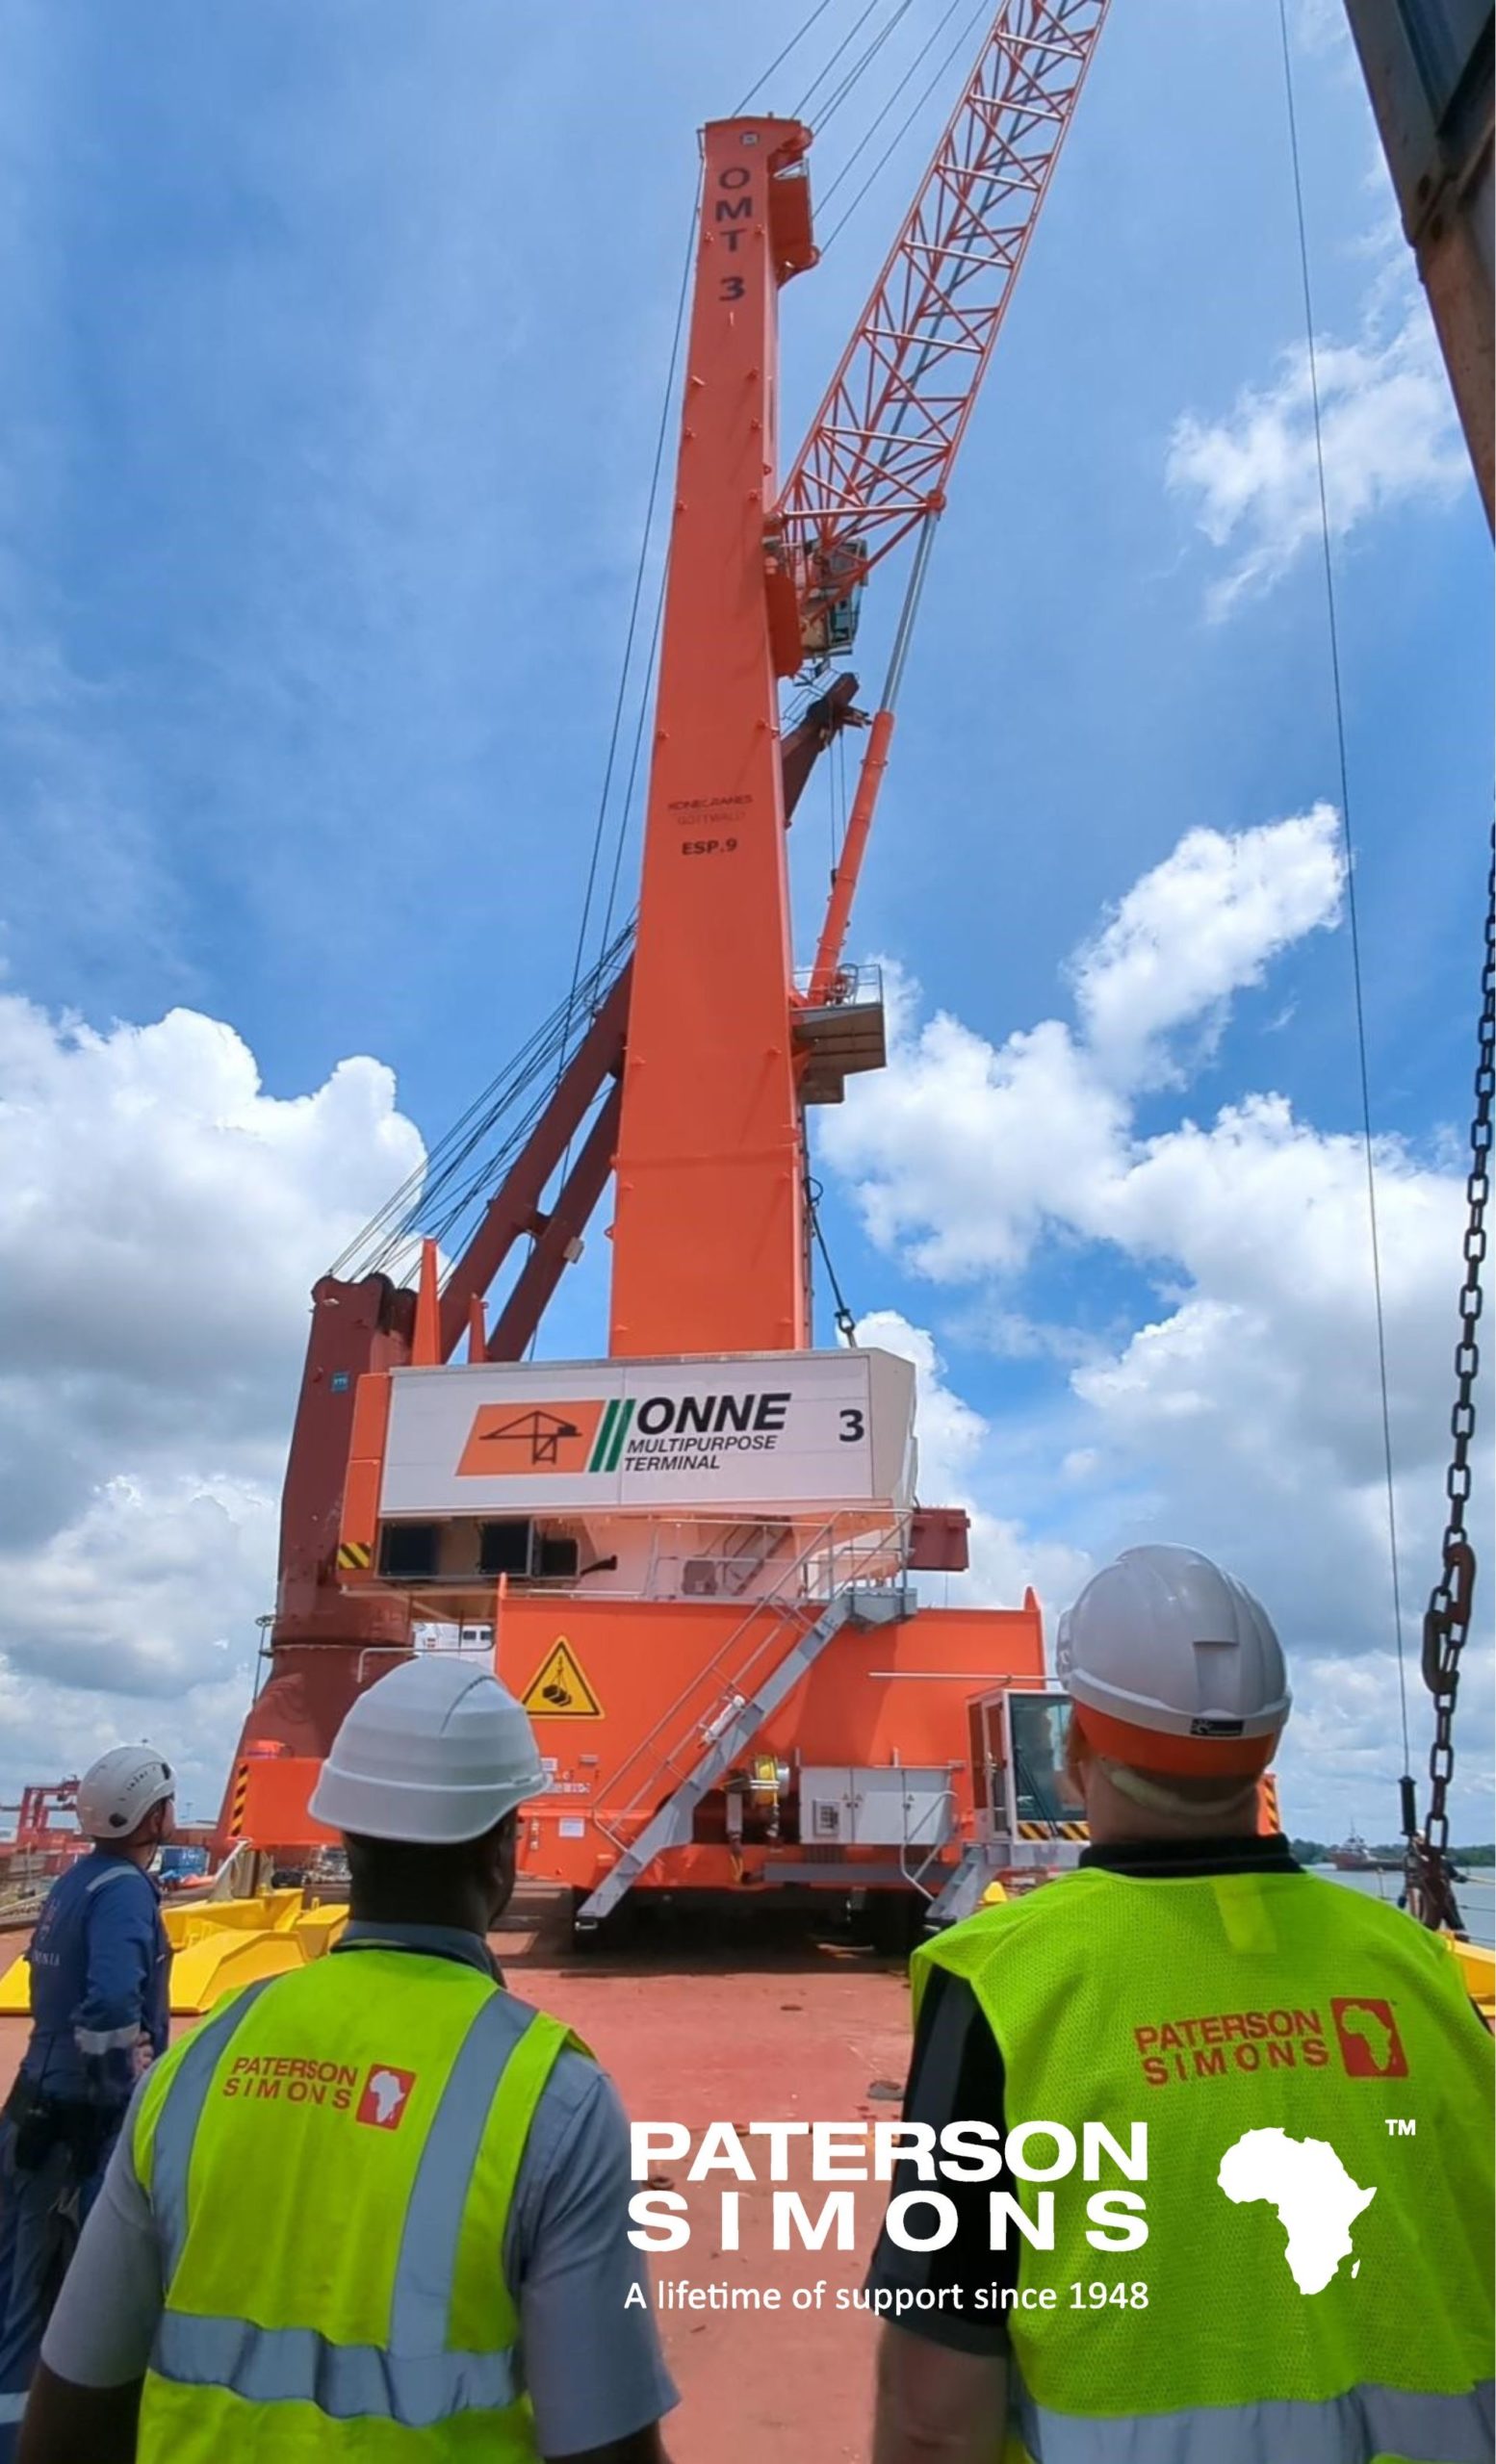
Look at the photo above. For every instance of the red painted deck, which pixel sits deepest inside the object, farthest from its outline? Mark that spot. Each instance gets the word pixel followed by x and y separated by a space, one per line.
pixel 777 2022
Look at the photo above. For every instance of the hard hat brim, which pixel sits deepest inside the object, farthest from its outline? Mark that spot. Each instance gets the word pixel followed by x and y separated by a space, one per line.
pixel 415 1815
pixel 1203 1758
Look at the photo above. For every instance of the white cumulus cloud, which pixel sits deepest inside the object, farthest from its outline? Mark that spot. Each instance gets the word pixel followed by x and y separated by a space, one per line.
pixel 1251 475
pixel 1203 924
pixel 161 1220
pixel 953 1439
pixel 1238 1409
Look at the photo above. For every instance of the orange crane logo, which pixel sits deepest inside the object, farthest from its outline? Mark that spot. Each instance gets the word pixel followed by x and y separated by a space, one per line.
pixel 542 1437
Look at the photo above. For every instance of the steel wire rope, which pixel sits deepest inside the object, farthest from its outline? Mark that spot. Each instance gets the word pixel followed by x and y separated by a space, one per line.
pixel 635 751
pixel 640 569
pixel 483 1110
pixel 621 697
pixel 847 39
pixel 792 44
pixel 397 1220
pixel 551 1042
pixel 1348 845
pixel 416 1199
pixel 889 150
pixel 860 69
pixel 874 125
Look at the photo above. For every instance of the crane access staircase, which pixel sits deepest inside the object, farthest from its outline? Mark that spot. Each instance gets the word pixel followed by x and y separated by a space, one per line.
pixel 831 1583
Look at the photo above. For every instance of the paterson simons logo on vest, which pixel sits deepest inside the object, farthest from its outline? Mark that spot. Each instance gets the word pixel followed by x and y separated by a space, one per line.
pixel 378 2097
pixel 1362 2034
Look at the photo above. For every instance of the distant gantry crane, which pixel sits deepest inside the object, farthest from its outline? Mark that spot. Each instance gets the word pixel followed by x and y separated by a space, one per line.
pixel 694 1557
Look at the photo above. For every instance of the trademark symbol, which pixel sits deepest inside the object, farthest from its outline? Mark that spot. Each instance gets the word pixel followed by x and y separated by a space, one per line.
pixel 1400 2129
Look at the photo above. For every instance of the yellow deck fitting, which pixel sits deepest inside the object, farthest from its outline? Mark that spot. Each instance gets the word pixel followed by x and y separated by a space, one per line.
pixel 1479 1973
pixel 218 1944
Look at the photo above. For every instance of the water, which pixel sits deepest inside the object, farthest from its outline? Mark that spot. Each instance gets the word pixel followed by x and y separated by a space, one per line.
pixel 1476 1897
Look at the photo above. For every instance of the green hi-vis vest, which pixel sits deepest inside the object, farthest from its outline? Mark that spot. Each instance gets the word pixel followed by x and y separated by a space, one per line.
pixel 330 2160
pixel 1268 2028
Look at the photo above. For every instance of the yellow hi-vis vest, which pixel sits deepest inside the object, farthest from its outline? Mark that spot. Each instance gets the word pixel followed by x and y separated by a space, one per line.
pixel 330 2160
pixel 1288 2320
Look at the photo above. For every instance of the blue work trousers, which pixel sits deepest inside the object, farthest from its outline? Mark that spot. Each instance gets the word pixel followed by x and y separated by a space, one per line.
pixel 41 2213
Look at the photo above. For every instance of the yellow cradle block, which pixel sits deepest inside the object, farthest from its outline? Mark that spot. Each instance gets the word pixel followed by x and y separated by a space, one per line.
pixel 218 1944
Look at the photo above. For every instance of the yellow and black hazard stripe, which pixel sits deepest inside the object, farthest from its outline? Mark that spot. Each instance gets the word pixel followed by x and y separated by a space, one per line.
pixel 354 1556
pixel 238 1801
pixel 1053 1830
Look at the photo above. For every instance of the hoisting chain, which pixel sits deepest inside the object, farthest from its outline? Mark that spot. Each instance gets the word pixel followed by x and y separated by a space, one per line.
pixel 1446 1625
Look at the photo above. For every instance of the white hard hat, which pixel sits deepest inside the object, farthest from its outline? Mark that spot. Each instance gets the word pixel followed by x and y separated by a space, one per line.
pixel 118 1790
pixel 1173 1665
pixel 434 1753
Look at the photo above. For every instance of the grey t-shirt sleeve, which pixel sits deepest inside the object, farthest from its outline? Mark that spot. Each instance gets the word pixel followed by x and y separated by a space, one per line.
pixel 592 2359
pixel 102 2330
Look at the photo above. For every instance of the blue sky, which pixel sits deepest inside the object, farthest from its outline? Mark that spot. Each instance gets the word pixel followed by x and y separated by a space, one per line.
pixel 338 340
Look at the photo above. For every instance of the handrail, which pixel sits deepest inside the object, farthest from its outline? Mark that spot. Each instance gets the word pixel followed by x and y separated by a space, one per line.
pixel 801 1607
pixel 768 1603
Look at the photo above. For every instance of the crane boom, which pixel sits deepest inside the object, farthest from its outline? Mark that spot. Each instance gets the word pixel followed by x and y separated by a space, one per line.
pixel 878 456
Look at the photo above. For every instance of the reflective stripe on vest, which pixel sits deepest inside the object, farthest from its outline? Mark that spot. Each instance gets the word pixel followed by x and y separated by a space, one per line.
pixel 1208 2009
pixel 177 2123
pixel 408 2370
pixel 349 2383
pixel 1350 2429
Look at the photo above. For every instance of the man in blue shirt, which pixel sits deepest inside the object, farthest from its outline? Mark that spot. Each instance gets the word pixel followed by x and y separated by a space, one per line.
pixel 426 1780
pixel 100 1968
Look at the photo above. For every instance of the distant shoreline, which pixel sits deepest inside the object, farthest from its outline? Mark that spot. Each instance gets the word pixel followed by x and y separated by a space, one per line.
pixel 1320 1852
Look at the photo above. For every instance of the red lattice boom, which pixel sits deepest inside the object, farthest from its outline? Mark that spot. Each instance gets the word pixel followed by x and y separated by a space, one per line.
pixel 880 451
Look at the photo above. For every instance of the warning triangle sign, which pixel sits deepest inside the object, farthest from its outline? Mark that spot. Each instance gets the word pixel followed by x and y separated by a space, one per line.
pixel 559 1689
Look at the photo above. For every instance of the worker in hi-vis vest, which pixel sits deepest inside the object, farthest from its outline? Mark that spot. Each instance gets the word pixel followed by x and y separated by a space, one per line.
pixel 1276 2246
pixel 375 2209
pixel 99 1970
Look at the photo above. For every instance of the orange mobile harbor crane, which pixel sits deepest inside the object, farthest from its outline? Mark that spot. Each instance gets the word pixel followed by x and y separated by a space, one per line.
pixel 695 1555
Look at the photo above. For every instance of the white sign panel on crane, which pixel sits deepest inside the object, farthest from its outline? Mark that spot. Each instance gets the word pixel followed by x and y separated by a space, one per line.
pixel 823 1428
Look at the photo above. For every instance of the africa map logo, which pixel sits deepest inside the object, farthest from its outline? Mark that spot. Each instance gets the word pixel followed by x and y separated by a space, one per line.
pixel 1316 2199
pixel 386 2094
pixel 1370 2046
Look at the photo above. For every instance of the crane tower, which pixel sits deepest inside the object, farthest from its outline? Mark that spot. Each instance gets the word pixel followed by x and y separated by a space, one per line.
pixel 696 1559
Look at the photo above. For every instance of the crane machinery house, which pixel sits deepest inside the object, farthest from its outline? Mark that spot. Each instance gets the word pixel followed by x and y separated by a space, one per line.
pixel 696 1557
pixel 640 1479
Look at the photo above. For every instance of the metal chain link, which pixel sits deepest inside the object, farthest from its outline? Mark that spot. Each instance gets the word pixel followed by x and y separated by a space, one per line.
pixel 1446 1625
